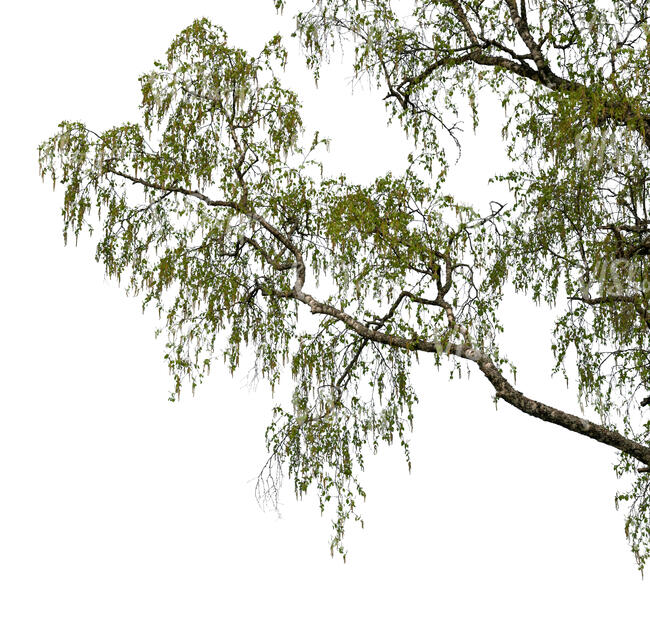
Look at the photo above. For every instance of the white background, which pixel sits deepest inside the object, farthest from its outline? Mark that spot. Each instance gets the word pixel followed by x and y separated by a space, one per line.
pixel 118 506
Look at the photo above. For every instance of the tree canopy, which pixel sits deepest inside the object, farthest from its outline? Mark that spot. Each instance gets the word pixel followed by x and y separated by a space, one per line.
pixel 215 211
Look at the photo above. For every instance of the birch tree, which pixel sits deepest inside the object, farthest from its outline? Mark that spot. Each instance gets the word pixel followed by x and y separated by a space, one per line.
pixel 215 211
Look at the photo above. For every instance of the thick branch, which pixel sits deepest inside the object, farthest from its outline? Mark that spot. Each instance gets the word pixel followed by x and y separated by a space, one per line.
pixel 504 389
pixel 555 416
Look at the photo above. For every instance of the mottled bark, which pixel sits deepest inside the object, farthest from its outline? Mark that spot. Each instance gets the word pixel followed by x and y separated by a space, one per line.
pixel 505 391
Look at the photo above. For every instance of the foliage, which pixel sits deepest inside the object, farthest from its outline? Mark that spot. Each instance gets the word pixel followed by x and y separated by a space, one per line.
pixel 215 210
